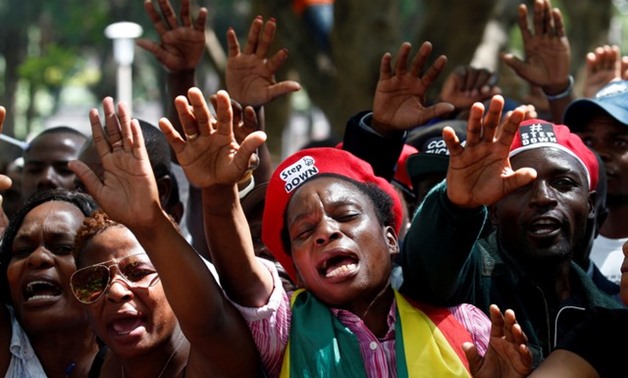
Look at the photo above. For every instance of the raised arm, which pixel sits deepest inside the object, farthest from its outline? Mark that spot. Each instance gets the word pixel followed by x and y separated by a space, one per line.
pixel 603 65
pixel 250 78
pixel 128 193
pixel 467 85
pixel 400 101
pixel 180 48
pixel 547 58
pixel 215 162
pixel 399 104
pixel 479 173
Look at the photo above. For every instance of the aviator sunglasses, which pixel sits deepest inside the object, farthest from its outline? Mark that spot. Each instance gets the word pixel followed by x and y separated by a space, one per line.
pixel 89 284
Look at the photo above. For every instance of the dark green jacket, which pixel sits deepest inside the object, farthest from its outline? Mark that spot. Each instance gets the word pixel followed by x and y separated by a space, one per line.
pixel 445 263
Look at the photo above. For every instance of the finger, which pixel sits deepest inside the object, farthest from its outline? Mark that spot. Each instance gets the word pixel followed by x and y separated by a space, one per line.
pixel 224 113
pixel 186 117
pixel 385 71
pixel 559 25
pixel 470 78
pixel 591 60
pixel 138 148
pixel 513 62
pixel 435 111
pixel 509 127
pixel 277 60
pixel 452 141
pixel 459 75
pixel 90 180
pixel 247 153
pixel 174 139
pixel 168 14
pixel 112 124
pixel 100 141
pixel 236 109
pixel 491 120
pixel 250 121
pixel 434 70
pixel 253 36
pixel 474 358
pixel 201 19
pixel 268 35
pixel 124 119
pixel 474 124
pixel 186 19
pixel 522 20
pixel 548 14
pixel 200 110
pixel 421 57
pixel 5 182
pixel 509 321
pixel 401 64
pixel 233 46
pixel 539 17
pixel 497 321
pixel 158 24
pixel 282 88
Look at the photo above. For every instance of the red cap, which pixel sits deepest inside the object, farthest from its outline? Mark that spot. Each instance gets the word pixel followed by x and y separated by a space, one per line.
pixel 536 133
pixel 299 168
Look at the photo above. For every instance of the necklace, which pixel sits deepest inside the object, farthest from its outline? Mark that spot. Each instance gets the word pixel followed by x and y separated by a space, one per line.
pixel 167 361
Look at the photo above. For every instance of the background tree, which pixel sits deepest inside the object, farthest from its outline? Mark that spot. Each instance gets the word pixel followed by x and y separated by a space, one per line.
pixel 48 44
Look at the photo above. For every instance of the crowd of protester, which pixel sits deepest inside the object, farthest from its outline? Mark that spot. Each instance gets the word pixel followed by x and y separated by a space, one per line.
pixel 470 235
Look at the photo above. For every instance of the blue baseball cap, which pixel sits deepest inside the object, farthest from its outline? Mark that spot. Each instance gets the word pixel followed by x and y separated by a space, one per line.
pixel 612 99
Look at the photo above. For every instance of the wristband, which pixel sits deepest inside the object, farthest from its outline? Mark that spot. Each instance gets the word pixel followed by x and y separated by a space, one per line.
pixel 562 94
pixel 242 193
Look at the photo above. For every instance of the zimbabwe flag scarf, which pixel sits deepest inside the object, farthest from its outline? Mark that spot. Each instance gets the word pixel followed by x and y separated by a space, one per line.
pixel 428 342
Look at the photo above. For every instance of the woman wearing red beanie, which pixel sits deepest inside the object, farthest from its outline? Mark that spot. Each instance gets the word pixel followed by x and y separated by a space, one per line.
pixel 333 225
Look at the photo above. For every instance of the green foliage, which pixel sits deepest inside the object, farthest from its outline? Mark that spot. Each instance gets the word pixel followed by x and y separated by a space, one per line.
pixel 51 69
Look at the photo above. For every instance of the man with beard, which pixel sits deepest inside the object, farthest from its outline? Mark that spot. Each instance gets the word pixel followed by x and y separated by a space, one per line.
pixel 602 123
pixel 537 181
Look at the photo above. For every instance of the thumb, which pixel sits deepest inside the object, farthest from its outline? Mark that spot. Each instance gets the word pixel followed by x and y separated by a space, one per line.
pixel 249 145
pixel 87 176
pixel 521 177
pixel 513 62
pixel 474 358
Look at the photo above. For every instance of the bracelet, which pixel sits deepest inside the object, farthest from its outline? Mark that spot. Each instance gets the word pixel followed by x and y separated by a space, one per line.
pixel 562 94
pixel 242 193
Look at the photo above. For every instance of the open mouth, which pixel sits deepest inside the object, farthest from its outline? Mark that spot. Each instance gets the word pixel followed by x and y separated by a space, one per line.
pixel 37 290
pixel 125 326
pixel 338 265
pixel 544 226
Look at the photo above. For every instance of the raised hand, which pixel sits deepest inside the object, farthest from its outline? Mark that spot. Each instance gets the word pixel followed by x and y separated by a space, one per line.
pixel 128 192
pixel 603 65
pixel 467 85
pixel 250 75
pixel 507 355
pixel 547 51
pixel 210 154
pixel 181 44
pixel 399 102
pixel 480 173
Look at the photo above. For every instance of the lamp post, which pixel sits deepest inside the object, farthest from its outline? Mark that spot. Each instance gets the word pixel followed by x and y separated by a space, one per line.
pixel 123 34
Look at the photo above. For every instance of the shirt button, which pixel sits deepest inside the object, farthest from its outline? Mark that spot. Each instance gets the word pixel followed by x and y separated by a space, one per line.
pixel 373 345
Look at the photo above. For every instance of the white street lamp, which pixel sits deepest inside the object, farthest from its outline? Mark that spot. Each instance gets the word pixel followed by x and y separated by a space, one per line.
pixel 123 34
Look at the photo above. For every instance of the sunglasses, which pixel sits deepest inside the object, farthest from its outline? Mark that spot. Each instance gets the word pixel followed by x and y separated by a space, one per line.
pixel 89 284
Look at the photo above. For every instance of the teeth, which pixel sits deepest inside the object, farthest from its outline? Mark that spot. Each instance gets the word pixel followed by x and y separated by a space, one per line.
pixel 342 269
pixel 35 297
pixel 41 290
